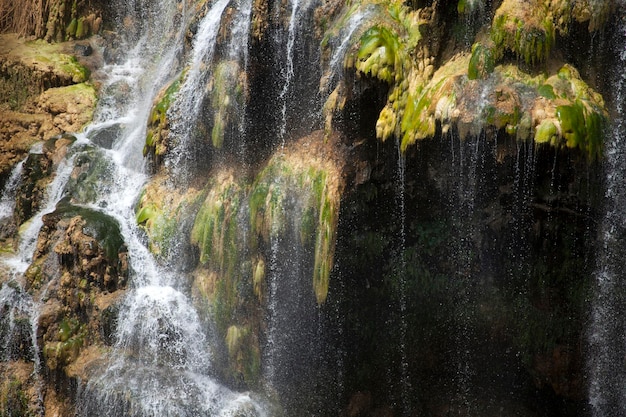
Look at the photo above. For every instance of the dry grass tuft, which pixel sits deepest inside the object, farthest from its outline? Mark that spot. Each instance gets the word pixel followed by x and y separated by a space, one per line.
pixel 24 17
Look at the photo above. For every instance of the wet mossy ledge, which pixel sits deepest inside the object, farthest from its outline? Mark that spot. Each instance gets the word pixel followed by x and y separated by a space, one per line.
pixel 511 81
pixel 294 195
pixel 45 91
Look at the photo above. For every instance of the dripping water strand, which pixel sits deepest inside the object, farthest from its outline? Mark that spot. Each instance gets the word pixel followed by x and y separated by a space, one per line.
pixel 288 72
pixel 272 300
pixel 404 365
pixel 239 51
pixel 28 238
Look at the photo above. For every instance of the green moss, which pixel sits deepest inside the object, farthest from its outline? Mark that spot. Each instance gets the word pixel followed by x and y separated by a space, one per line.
pixel 13 399
pixel 160 223
pixel 70 65
pixel 226 88
pixel 380 54
pixel 385 51
pixel 529 35
pixel 156 134
pixel 100 226
pixel 81 29
pixel 215 229
pixel 482 62
pixel 66 347
pixel 319 213
pixel 70 31
pixel 546 132
pixel 581 128
pixel 546 91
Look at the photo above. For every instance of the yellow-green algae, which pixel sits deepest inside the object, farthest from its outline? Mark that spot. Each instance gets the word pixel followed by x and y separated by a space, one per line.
pixel 525 106
pixel 223 277
pixel 243 351
pixel 158 123
pixel 227 89
pixel 160 210
pixel 216 228
pixel 385 51
pixel 65 349
pixel 481 90
pixel 525 28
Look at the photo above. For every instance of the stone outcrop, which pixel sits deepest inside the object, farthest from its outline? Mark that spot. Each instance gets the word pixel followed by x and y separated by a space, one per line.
pixel 44 92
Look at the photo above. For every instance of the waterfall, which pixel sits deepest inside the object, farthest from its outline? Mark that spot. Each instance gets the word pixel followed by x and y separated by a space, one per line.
pixel 288 71
pixel 190 97
pixel 160 363
pixel 607 340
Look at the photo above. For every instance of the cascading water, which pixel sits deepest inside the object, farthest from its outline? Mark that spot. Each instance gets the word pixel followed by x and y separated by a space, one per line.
pixel 190 97
pixel 607 341
pixel 445 274
pixel 28 239
pixel 160 363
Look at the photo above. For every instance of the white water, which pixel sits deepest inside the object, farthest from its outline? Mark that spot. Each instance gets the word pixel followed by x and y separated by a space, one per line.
pixel 238 50
pixel 405 390
pixel 186 108
pixel 288 71
pixel 352 29
pixel 160 363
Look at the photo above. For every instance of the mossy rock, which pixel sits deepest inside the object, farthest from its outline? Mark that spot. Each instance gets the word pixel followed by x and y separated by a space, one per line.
pixel 158 123
pixel 92 172
pixel 525 29
pixel 560 110
pixel 161 211
pixel 216 227
pixel 227 89
pixel 384 51
pixel 65 348
pixel 14 398
pixel 317 186
pixel 102 227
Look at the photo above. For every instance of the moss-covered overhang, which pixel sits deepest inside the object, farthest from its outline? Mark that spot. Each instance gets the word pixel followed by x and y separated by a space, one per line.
pixel 510 80
pixel 559 109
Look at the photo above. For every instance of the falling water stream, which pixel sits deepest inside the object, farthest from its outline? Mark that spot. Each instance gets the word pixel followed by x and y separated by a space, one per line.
pixel 402 290
pixel 607 340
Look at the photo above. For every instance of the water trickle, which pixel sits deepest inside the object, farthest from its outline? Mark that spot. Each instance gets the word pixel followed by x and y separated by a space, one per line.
pixel 238 51
pixel 406 388
pixel 288 71
pixel 28 235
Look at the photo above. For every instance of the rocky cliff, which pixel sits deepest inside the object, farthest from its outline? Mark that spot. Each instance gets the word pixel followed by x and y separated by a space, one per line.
pixel 431 187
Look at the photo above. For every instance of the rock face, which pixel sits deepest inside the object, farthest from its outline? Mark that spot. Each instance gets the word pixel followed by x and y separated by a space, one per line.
pixel 43 93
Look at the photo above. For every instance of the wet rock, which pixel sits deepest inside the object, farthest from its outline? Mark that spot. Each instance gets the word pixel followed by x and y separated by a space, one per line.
pixel 106 136
pixel 83 49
